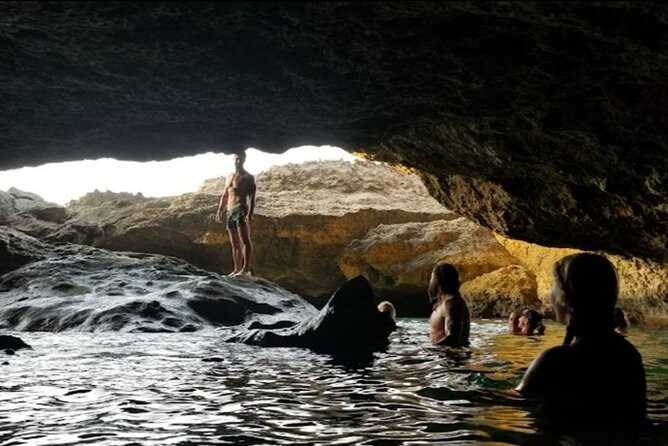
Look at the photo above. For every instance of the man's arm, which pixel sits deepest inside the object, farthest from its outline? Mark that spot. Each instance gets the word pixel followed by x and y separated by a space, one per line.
pixel 251 206
pixel 452 325
pixel 222 203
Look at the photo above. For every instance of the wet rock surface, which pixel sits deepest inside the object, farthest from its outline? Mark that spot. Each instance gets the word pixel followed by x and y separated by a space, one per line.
pixel 82 288
pixel 348 324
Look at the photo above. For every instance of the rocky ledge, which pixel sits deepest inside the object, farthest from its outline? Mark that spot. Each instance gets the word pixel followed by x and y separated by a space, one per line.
pixel 320 224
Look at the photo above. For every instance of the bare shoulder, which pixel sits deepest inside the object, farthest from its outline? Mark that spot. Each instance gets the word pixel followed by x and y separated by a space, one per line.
pixel 546 370
pixel 249 178
pixel 454 303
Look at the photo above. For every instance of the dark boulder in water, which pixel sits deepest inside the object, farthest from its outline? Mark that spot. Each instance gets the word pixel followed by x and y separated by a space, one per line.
pixel 350 323
pixel 12 343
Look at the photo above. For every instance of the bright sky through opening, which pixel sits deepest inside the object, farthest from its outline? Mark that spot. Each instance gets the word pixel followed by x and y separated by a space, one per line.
pixel 61 182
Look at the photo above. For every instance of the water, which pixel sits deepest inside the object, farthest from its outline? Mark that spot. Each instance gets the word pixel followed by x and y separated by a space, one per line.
pixel 193 389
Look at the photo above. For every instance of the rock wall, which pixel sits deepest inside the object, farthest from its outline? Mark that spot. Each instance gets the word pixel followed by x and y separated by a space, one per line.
pixel 398 260
pixel 318 224
pixel 643 284
pixel 306 215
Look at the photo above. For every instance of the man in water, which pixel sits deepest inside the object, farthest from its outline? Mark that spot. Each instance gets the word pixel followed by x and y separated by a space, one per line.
pixel 238 203
pixel 450 322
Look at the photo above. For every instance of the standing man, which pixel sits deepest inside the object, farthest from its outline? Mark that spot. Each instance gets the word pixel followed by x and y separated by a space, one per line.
pixel 238 203
pixel 450 322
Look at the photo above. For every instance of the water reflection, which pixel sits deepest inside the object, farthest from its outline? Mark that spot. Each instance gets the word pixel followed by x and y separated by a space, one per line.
pixel 193 388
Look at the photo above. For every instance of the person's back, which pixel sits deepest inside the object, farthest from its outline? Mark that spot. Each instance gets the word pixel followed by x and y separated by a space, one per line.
pixel 597 374
pixel 601 377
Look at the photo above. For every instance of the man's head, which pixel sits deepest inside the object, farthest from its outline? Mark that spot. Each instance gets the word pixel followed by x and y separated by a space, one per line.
pixel 239 160
pixel 444 280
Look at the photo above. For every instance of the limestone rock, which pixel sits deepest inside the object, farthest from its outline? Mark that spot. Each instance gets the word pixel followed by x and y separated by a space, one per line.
pixel 643 284
pixel 306 215
pixel 398 259
pixel 18 249
pixel 17 205
pixel 498 293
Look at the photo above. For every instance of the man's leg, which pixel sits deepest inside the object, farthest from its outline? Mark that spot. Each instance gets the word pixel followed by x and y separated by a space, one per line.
pixel 244 233
pixel 237 256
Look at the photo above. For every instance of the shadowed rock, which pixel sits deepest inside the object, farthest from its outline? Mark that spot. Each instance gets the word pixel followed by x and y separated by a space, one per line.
pixel 12 343
pixel 349 324
pixel 544 121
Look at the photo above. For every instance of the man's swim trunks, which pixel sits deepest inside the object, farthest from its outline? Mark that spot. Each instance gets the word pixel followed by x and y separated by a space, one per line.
pixel 236 217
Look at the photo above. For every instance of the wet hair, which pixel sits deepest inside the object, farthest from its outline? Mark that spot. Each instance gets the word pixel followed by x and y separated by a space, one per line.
pixel 242 155
pixel 620 320
pixel 535 321
pixel 586 285
pixel 387 307
pixel 447 281
pixel 533 316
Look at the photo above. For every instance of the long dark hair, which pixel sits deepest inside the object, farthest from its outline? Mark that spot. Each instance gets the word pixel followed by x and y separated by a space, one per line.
pixel 586 284
pixel 447 281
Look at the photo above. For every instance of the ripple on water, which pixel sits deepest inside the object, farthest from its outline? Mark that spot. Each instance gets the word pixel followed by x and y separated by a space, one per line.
pixel 193 388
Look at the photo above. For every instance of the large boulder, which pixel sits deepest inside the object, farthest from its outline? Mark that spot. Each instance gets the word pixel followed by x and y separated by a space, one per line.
pixel 26 209
pixel 90 289
pixel 349 324
pixel 18 249
pixel 398 259
pixel 12 343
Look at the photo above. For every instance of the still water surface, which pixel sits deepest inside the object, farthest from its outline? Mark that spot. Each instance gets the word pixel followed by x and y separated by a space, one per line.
pixel 194 389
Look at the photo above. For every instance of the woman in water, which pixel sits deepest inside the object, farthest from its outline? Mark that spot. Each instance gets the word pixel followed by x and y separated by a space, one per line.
pixel 596 372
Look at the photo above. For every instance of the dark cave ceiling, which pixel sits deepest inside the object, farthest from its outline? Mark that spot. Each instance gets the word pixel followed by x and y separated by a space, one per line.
pixel 545 122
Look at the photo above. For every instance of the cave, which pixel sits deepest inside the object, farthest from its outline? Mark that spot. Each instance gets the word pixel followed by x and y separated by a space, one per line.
pixel 544 122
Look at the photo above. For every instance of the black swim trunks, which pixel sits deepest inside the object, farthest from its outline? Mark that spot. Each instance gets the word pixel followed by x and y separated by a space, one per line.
pixel 236 217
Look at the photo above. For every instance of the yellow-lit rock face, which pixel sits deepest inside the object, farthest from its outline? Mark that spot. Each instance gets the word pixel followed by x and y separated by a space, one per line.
pixel 498 293
pixel 398 259
pixel 643 284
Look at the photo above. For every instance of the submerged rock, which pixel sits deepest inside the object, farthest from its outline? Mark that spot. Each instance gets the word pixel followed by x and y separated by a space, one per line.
pixel 12 343
pixel 349 324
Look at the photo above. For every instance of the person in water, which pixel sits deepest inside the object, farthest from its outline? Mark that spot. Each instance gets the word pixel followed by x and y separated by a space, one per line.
pixel 528 322
pixel 238 203
pixel 596 372
pixel 386 308
pixel 450 322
